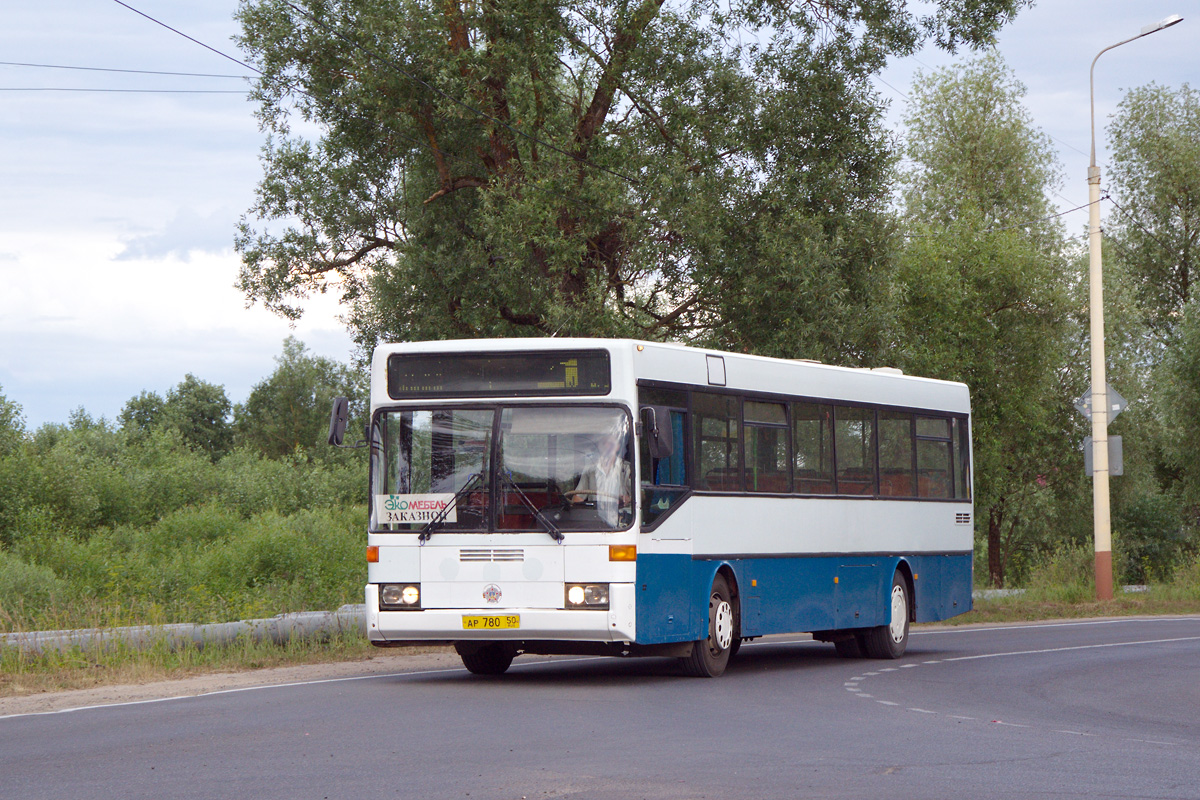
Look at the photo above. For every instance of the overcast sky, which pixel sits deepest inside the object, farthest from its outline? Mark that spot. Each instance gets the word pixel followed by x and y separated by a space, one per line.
pixel 118 209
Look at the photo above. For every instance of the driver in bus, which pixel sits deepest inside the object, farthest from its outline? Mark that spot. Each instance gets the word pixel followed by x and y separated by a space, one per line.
pixel 607 480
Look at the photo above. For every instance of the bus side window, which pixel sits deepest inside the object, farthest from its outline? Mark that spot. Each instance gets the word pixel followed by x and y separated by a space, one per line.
pixel 896 456
pixel 717 426
pixel 854 448
pixel 767 447
pixel 962 457
pixel 934 465
pixel 812 432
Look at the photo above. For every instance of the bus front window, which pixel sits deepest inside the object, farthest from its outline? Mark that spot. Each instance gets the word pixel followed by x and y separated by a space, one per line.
pixel 421 459
pixel 571 463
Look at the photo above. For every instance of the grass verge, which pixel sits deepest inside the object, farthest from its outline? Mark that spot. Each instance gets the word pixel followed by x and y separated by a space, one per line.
pixel 1033 608
pixel 27 673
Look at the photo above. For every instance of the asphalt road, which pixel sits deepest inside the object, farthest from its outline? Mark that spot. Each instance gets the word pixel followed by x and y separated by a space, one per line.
pixel 1095 709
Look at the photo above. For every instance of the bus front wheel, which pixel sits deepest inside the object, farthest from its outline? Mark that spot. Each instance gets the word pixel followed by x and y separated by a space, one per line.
pixel 490 659
pixel 891 640
pixel 710 655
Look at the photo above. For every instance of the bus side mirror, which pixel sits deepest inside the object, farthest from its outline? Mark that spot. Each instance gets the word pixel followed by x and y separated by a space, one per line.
pixel 656 427
pixel 337 420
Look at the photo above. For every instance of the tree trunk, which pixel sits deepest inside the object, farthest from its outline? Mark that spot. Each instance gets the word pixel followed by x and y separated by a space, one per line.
pixel 995 547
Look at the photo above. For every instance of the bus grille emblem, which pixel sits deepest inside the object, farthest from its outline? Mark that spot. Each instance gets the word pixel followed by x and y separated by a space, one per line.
pixel 492 593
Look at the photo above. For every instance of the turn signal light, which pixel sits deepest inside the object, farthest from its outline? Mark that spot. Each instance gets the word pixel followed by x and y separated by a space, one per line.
pixel 372 554
pixel 622 552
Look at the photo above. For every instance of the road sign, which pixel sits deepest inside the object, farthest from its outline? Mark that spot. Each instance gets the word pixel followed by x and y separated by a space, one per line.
pixel 1116 457
pixel 1116 403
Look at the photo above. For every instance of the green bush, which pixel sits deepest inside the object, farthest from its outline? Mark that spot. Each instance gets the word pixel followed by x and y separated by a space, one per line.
pixel 1066 575
pixel 26 588
pixel 1148 539
pixel 1185 583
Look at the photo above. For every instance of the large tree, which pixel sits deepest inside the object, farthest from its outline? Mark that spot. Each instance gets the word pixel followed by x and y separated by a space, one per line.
pixel 1154 227
pixel 706 171
pixel 984 288
pixel 1152 246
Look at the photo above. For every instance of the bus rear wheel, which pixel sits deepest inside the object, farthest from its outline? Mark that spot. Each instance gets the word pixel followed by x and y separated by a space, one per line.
pixel 711 655
pixel 489 659
pixel 891 640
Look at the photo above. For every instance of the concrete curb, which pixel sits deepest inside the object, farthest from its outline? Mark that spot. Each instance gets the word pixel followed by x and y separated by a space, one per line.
pixel 278 629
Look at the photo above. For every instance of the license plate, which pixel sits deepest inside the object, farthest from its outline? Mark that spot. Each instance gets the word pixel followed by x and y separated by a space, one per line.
pixel 490 622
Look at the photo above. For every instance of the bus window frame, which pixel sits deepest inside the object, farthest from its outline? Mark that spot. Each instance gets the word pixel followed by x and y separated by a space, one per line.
pixel 684 441
pixel 963 418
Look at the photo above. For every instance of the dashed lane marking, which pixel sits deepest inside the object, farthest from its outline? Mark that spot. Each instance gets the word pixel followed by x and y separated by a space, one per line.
pixel 854 683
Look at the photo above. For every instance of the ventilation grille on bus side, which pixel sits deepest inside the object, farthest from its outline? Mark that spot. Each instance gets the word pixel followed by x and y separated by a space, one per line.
pixel 962 519
pixel 491 554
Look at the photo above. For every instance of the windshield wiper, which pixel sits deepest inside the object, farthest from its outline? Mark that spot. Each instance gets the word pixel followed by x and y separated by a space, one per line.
pixel 551 529
pixel 427 531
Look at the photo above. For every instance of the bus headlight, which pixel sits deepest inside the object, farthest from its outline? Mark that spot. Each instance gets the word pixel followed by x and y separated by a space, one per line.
pixel 400 596
pixel 587 595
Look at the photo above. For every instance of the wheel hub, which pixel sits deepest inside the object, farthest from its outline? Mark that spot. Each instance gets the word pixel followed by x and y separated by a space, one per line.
pixel 899 614
pixel 722 623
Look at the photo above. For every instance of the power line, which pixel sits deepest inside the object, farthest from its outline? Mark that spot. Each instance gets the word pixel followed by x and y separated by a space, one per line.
pixel 129 71
pixel 1013 226
pixel 189 38
pixel 1138 222
pixel 1040 219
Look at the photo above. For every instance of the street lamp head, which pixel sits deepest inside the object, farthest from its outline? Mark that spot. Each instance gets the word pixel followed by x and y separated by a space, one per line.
pixel 1174 19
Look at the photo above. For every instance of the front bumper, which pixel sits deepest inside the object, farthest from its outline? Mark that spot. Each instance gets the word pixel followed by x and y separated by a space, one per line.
pixel 446 624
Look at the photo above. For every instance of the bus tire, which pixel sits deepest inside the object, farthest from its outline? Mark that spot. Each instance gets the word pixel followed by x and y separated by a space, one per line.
pixel 710 655
pixel 891 640
pixel 490 659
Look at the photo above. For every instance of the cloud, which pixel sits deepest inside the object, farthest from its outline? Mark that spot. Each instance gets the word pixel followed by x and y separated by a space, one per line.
pixel 187 233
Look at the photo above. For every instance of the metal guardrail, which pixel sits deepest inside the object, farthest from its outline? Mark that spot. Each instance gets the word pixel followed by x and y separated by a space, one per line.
pixel 278 629
pixel 988 594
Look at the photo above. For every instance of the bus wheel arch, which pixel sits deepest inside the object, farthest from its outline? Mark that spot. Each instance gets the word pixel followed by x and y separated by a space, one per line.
pixel 735 599
pixel 905 569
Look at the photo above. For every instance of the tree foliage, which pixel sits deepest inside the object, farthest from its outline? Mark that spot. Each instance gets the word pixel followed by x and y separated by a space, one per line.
pixel 289 410
pixel 1155 177
pixel 197 410
pixel 12 425
pixel 708 171
pixel 984 288
pixel 1179 406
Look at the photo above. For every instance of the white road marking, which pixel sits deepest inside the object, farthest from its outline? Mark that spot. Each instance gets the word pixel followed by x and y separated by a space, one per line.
pixel 1039 651
pixel 259 687
pixel 1054 625
pixel 1074 647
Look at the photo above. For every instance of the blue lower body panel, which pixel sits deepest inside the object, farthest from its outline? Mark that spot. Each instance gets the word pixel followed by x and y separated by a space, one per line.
pixel 795 593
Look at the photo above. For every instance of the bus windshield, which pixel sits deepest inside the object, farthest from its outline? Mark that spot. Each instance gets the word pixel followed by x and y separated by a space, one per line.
pixel 502 469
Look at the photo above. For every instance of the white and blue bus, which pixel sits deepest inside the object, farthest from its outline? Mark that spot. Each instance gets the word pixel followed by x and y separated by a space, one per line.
pixel 595 496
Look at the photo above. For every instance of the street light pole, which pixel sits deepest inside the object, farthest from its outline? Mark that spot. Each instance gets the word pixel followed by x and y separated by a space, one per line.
pixel 1101 518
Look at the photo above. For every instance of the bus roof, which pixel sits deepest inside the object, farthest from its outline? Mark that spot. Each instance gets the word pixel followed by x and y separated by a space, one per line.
pixel 701 367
